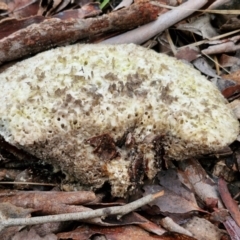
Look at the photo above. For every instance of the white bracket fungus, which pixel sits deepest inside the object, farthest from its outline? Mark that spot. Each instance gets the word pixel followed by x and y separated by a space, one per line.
pixel 108 113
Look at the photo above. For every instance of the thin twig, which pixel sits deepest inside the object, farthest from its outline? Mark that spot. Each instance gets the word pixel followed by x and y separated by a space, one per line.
pixel 170 42
pixel 164 21
pixel 205 41
pixel 118 210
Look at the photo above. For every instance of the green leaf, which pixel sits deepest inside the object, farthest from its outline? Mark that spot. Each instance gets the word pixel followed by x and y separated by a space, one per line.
pixel 104 3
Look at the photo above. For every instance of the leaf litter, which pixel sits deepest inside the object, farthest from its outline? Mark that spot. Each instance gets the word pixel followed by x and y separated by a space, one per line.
pixel 189 187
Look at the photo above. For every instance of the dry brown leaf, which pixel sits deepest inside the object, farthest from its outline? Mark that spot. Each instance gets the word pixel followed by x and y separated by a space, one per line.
pixel 150 226
pixel 64 202
pixel 22 9
pixel 170 202
pixel 222 83
pixel 169 179
pixel 18 153
pixel 202 229
pixel 203 66
pixel 234 76
pixel 227 22
pixel 230 91
pixel 31 234
pixel 8 210
pixel 8 233
pixel 187 53
pixel 228 61
pixel 63 5
pixel 11 25
pixel 53 6
pixel 232 228
pixel 43 6
pixel 128 219
pixel 237 156
pixel 232 23
pixel 223 46
pixel 219 215
pixel 48 228
pixel 220 169
pixel 229 202
pixel 193 173
pixel 86 11
pixel 118 233
pixel 81 2
pixel 200 26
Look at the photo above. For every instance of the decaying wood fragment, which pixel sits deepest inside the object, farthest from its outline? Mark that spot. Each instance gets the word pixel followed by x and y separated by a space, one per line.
pixel 55 32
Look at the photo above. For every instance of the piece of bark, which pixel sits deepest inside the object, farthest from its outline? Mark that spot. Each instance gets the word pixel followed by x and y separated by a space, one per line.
pixel 56 32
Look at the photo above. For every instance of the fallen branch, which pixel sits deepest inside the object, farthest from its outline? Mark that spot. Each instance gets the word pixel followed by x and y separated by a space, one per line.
pixel 104 212
pixel 166 20
pixel 55 32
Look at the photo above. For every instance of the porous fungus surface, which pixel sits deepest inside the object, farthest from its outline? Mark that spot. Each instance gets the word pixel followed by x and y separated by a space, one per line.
pixel 103 112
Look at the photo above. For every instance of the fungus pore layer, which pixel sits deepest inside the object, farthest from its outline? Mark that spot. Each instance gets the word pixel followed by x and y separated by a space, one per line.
pixel 103 112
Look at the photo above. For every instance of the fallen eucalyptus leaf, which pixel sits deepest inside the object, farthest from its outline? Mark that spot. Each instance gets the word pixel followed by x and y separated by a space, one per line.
pixel 202 229
pixel 106 113
pixel 170 202
pixel 201 184
pixel 32 234
pixel 200 26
